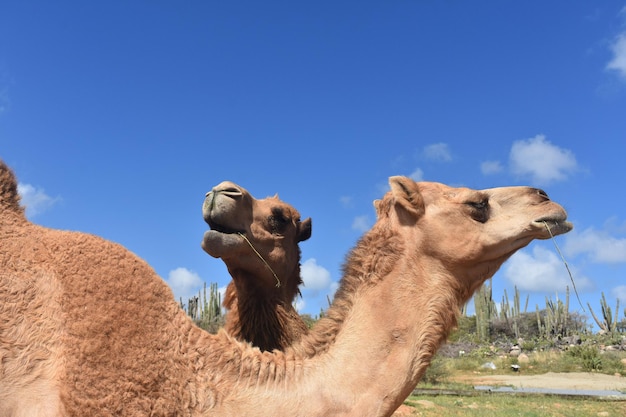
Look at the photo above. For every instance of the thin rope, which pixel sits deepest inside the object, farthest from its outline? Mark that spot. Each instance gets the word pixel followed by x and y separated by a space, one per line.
pixel 565 263
pixel 261 258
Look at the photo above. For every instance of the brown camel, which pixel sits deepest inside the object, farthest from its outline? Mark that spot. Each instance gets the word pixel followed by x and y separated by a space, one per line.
pixel 258 242
pixel 88 328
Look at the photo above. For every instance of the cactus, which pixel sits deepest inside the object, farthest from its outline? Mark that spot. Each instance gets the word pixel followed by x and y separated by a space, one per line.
pixel 556 318
pixel 205 310
pixel 608 323
pixel 512 314
pixel 485 310
pixel 540 326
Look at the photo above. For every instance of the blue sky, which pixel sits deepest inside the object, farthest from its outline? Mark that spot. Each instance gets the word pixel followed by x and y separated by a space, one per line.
pixel 118 116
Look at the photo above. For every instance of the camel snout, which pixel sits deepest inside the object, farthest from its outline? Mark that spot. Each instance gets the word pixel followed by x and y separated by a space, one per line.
pixel 228 188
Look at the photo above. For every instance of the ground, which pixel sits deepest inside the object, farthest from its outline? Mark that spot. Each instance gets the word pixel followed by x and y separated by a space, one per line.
pixel 569 380
pixel 553 380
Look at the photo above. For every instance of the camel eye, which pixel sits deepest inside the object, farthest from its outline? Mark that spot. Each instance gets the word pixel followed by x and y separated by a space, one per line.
pixel 479 210
pixel 478 205
pixel 277 220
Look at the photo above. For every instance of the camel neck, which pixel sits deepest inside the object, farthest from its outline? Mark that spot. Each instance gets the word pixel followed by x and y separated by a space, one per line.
pixel 368 353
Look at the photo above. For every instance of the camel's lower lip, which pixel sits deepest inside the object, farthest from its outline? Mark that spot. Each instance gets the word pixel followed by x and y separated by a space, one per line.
pixel 217 244
pixel 555 225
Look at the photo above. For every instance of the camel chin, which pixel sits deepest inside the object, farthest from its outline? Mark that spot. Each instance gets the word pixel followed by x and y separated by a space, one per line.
pixel 218 244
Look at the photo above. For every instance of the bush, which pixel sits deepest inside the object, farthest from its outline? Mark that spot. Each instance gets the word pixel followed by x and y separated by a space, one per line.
pixel 612 363
pixel 587 356
pixel 465 330
pixel 437 372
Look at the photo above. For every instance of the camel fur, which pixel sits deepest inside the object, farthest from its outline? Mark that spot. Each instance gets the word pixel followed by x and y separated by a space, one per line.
pixel 88 328
pixel 258 242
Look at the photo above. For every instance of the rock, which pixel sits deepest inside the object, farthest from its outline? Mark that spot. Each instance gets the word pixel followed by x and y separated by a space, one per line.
pixel 515 351
pixel 489 365
pixel 523 358
pixel 573 340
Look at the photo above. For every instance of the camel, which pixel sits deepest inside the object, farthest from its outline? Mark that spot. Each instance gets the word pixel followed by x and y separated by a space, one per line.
pixel 88 328
pixel 258 242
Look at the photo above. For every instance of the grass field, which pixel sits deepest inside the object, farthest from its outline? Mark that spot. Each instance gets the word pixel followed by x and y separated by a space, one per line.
pixel 501 405
pixel 456 374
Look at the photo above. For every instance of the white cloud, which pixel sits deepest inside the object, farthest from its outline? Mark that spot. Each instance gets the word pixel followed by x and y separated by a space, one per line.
pixel 314 276
pixel 618 61
pixel 184 283
pixel 619 292
pixel 346 201
pixel 540 160
pixel 361 224
pixel 299 304
pixel 491 167
pixel 438 152
pixel 598 245
pixel 35 200
pixel 417 175
pixel 541 271
pixel 615 225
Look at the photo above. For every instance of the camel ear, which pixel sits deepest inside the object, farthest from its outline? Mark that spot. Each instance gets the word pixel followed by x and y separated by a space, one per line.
pixel 407 195
pixel 377 207
pixel 304 230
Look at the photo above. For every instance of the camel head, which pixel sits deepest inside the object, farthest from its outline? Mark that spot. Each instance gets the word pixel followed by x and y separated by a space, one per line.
pixel 469 232
pixel 247 233
pixel 258 242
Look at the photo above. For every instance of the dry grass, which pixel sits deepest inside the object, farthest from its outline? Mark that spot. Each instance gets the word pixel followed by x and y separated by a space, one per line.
pixel 510 405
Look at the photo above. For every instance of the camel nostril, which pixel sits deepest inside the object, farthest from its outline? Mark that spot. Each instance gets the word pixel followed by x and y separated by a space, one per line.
pixel 232 192
pixel 542 193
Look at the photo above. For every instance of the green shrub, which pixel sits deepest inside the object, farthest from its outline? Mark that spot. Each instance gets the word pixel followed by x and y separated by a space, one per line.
pixel 437 372
pixel 465 330
pixel 587 356
pixel 612 363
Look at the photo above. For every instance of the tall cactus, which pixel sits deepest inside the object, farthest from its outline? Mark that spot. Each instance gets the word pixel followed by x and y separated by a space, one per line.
pixel 511 314
pixel 205 309
pixel 212 305
pixel 608 323
pixel 485 310
pixel 556 317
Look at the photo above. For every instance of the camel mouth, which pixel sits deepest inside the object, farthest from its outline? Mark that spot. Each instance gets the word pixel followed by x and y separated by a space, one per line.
pixel 220 228
pixel 554 225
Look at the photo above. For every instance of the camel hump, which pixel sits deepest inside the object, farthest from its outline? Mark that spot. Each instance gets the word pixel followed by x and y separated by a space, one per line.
pixel 9 198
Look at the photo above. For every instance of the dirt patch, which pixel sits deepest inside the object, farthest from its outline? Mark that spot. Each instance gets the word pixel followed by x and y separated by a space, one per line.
pixel 569 381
